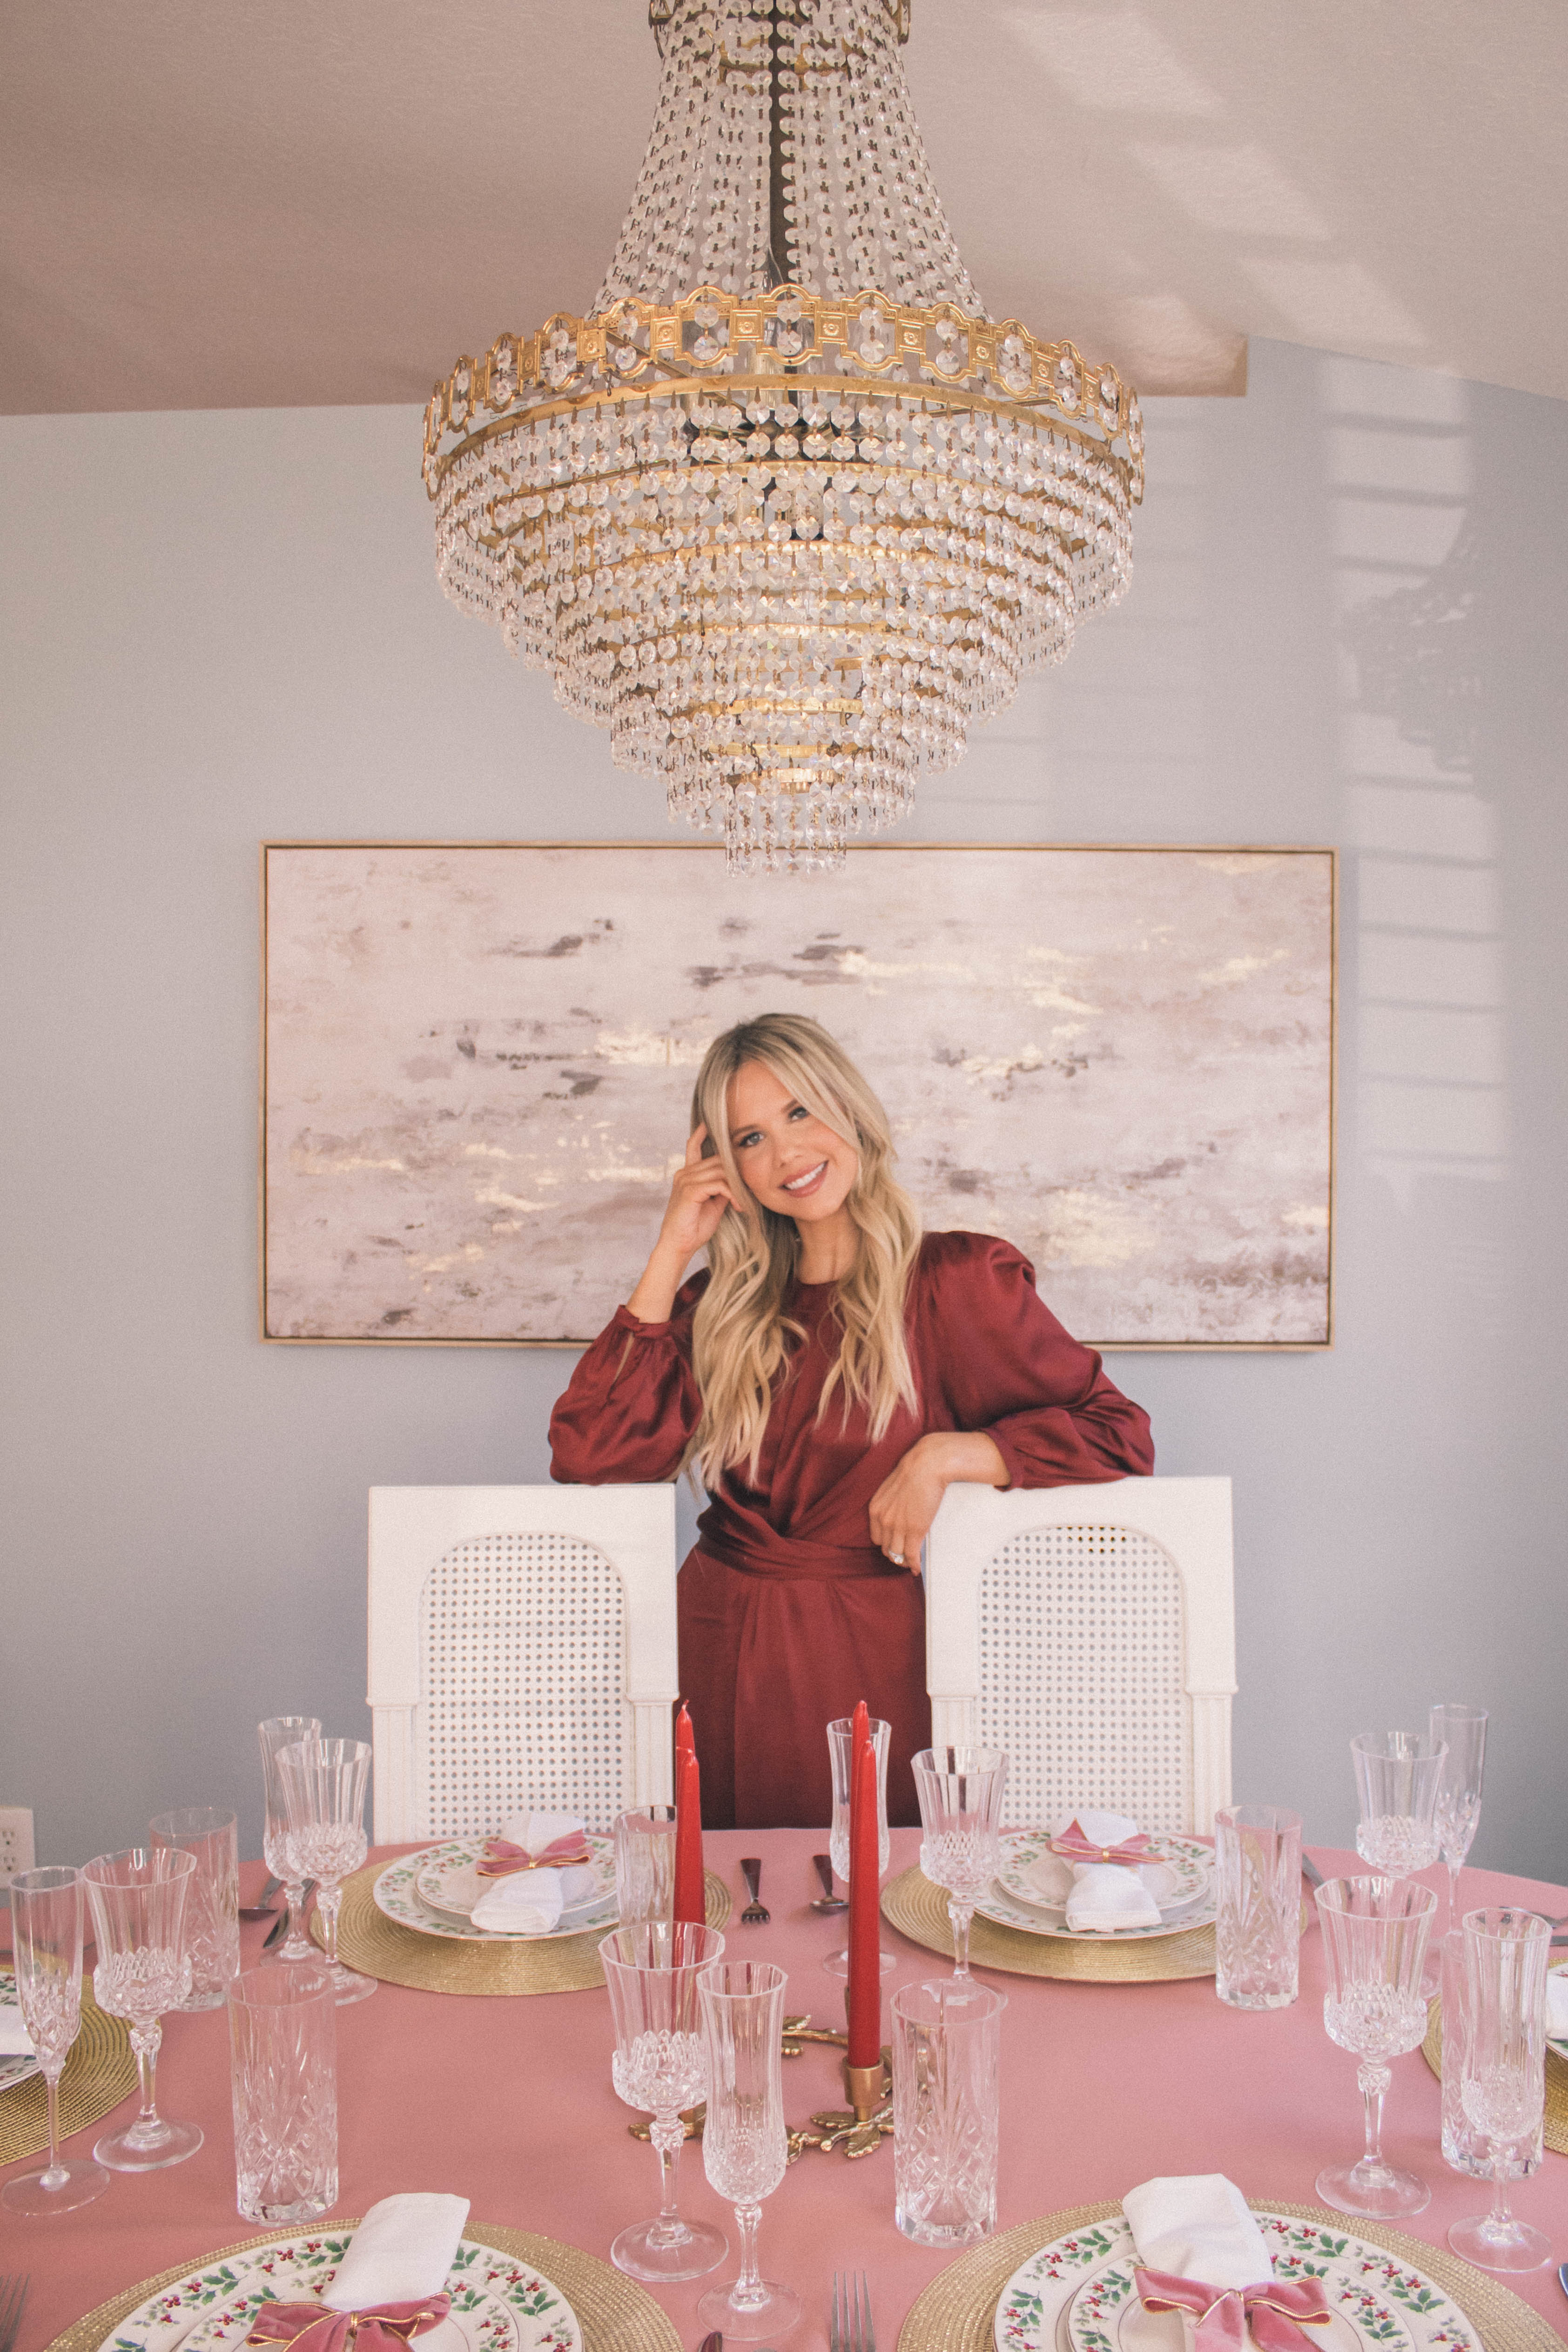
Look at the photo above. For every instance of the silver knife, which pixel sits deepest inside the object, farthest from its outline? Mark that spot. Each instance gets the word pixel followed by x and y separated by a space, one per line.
pixel 1310 1872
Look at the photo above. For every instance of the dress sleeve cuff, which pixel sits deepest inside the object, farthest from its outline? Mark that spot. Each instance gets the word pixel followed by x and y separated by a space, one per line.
pixel 1012 1459
pixel 625 1320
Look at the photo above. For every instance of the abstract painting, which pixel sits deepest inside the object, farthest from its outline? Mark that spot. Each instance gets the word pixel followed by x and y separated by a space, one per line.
pixel 478 1063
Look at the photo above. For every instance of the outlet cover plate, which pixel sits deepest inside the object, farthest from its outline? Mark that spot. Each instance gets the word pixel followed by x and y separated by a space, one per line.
pixel 16 1840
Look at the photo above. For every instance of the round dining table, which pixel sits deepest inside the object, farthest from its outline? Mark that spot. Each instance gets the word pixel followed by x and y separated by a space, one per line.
pixel 506 2100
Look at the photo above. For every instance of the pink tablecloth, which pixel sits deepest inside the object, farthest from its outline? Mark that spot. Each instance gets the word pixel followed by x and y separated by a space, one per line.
pixel 509 2103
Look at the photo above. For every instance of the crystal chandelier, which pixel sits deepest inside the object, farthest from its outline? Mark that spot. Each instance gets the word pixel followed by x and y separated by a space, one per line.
pixel 786 511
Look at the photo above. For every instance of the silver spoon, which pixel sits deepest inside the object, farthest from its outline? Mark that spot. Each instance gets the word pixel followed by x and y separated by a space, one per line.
pixel 827 1900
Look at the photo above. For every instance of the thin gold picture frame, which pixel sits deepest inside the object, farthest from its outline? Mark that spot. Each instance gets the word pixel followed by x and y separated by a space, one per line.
pixel 869 849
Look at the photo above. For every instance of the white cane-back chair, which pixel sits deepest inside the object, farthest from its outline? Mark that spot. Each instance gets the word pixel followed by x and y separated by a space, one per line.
pixel 522 1648
pixel 1090 1631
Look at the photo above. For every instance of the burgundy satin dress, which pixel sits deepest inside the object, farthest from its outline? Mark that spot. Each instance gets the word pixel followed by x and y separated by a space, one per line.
pixel 787 1613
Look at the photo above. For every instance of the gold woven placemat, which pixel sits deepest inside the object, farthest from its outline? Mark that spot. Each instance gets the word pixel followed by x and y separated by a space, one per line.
pixel 99 2073
pixel 919 1910
pixel 368 1940
pixel 615 2313
pixel 1556 2127
pixel 958 2311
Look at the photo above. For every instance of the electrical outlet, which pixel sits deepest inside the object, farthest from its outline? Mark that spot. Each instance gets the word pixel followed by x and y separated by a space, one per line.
pixel 16 1840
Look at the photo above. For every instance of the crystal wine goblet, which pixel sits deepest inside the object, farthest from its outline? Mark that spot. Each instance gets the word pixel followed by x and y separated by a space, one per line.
pixel 659 2065
pixel 285 1731
pixel 324 1783
pixel 840 1754
pixel 1463 1731
pixel 1397 1775
pixel 744 2143
pixel 1503 2082
pixel 137 1898
pixel 960 1792
pixel 46 1943
pixel 1374 1946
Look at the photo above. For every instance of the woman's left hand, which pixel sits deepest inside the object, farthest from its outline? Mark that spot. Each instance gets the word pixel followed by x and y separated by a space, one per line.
pixel 904 1504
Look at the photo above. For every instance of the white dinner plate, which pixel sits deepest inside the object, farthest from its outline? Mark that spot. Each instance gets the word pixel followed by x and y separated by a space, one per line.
pixel 396 1896
pixel 23 2066
pixel 1379 2304
pixel 497 2304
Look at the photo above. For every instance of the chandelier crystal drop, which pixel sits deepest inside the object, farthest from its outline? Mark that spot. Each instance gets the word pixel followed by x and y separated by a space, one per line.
pixel 786 511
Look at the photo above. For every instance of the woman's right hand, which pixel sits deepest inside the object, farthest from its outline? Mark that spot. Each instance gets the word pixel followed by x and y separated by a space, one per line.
pixel 699 1197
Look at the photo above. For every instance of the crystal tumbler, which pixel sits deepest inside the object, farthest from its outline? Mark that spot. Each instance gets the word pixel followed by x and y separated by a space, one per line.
pixel 212 1906
pixel 1258 1894
pixel 283 2047
pixel 947 2057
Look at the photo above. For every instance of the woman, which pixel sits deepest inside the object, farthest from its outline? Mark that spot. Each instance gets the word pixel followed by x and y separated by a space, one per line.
pixel 829 1376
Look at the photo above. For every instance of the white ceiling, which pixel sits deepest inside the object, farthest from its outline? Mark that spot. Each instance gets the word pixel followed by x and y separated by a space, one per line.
pixel 260 202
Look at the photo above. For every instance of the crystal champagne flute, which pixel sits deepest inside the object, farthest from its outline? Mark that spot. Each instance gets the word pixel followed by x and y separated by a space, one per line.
pixel 324 1783
pixel 960 1792
pixel 1463 1731
pixel 1503 2082
pixel 1375 1947
pixel 659 2065
pixel 46 1943
pixel 744 2143
pixel 285 1731
pixel 841 1756
pixel 137 1898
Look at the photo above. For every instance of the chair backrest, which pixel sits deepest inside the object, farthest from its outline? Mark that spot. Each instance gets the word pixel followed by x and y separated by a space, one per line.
pixel 1091 1633
pixel 522 1648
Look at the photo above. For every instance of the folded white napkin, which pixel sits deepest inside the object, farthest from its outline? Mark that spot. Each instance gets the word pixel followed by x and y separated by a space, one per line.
pixel 530 1901
pixel 1557 2004
pixel 402 2249
pixel 1105 1895
pixel 14 2039
pixel 1196 2225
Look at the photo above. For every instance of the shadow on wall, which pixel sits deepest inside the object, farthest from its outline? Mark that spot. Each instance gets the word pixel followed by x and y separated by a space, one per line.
pixel 1432 1098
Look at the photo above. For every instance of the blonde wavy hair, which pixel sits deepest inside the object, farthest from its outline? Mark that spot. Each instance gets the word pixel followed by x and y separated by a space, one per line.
pixel 741 1335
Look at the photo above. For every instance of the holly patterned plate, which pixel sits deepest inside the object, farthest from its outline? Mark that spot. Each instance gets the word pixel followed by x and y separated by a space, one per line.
pixel 497 2304
pixel 396 1894
pixel 22 2066
pixel 1017 1897
pixel 1077 2295
pixel 447 1880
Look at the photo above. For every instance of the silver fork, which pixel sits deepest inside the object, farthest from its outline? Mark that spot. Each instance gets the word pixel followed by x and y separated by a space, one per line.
pixel 755 1913
pixel 12 2295
pixel 848 2320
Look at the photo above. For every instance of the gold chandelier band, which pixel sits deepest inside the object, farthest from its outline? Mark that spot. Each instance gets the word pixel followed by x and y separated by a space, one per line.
pixel 938 393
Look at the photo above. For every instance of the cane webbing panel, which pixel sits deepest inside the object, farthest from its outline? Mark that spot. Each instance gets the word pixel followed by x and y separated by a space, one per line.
pixel 1081 1675
pixel 522 1676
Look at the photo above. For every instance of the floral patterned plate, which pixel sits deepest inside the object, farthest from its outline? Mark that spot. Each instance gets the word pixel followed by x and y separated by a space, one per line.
pixel 21 2068
pixel 1077 2295
pixel 1185 1892
pixel 497 2304
pixel 447 1880
pixel 396 1894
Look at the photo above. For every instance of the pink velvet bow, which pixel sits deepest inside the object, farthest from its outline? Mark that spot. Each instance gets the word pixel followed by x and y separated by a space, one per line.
pixel 1278 2308
pixel 501 1859
pixel 1076 1847
pixel 385 2327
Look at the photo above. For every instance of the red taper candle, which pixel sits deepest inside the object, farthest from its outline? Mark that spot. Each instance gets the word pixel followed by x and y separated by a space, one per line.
pixel 685 1740
pixel 691 1896
pixel 866 1957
